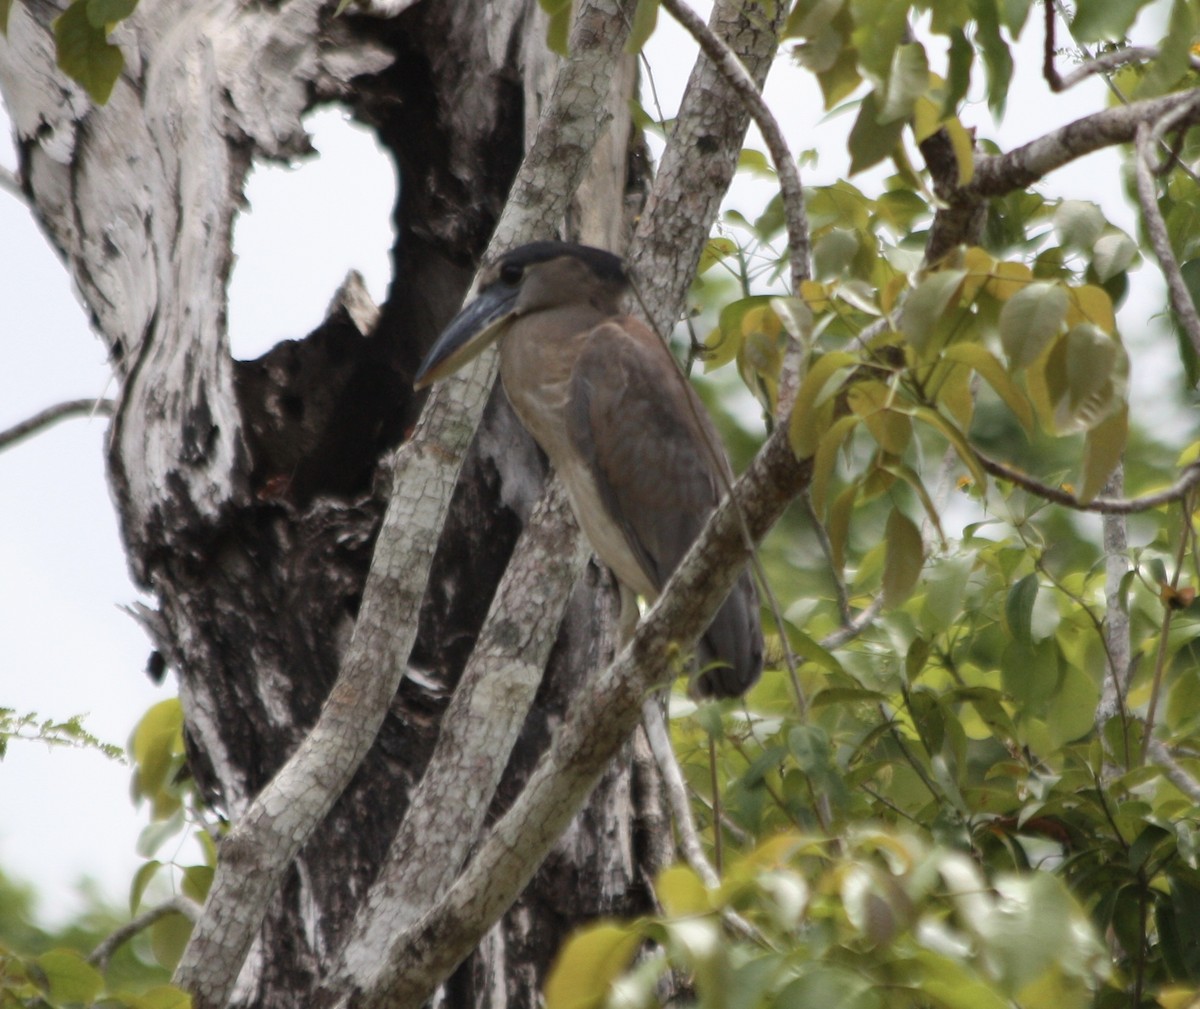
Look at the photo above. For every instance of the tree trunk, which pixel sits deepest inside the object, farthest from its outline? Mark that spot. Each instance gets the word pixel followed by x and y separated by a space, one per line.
pixel 249 492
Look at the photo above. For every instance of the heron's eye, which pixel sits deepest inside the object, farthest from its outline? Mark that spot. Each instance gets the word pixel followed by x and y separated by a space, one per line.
pixel 510 274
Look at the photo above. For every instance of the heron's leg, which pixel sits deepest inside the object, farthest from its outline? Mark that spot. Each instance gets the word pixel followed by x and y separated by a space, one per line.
pixel 630 615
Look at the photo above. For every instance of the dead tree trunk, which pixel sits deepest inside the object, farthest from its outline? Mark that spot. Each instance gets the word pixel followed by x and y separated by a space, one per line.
pixel 250 493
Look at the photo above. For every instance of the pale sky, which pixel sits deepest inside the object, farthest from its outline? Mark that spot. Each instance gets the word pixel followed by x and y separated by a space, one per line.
pixel 65 646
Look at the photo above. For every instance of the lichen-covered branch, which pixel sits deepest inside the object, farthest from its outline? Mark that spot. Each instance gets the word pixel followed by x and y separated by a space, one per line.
pixel 597 725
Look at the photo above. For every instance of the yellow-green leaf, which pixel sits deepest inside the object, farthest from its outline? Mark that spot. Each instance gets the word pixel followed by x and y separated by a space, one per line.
pixel 681 892
pixel 871 401
pixel 826 457
pixel 903 560
pixel 957 439
pixel 69 977
pixel 1008 279
pixel 1091 304
pixel 964 149
pixel 588 964
pixel 1102 450
pixel 839 524
pixel 168 937
pixel 645 17
pixel 986 365
pixel 803 433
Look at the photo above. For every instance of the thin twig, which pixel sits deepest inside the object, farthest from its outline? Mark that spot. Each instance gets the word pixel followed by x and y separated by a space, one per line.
pixel 11 183
pixel 739 79
pixel 1094 64
pixel 1101 505
pixel 1156 227
pixel 53 414
pixel 853 628
pixel 178 904
pixel 655 725
pixel 839 583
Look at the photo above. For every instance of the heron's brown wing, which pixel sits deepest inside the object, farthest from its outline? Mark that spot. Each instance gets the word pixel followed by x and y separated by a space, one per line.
pixel 641 431
pixel 657 465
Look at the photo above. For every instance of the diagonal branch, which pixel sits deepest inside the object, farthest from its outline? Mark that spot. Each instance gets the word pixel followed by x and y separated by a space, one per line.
pixel 601 719
pixel 52 415
pixel 257 852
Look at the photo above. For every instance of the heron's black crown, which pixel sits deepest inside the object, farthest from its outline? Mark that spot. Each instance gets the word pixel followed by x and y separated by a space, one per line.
pixel 603 264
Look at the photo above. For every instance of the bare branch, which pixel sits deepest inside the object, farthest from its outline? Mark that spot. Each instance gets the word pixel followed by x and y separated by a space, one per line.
pixel 10 183
pixel 52 415
pixel 855 627
pixel 1156 227
pixel 1103 505
pixel 178 904
pixel 265 841
pixel 743 84
pixel 1116 615
pixel 657 734
pixel 1175 772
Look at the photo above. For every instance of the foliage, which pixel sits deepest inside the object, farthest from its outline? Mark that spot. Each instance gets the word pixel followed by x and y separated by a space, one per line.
pixel 50 970
pixel 69 732
pixel 81 38
pixel 944 811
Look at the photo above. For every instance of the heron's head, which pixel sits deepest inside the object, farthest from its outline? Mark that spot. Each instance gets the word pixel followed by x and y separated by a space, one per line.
pixel 531 279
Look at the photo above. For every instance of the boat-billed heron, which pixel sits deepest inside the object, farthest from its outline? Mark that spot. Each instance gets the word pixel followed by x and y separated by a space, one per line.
pixel 641 460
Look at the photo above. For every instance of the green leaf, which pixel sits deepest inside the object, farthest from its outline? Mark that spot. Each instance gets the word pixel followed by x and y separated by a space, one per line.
pixel 1102 450
pixel 85 54
pixel 958 76
pixel 1030 319
pixel 141 880
pixel 558 27
pixel 197 879
pixel 69 977
pixel 168 938
pixel 908 79
pixel 903 560
pixel 1097 371
pixel 1018 609
pixel 997 58
pixel 925 305
pixel 715 251
pixel 1104 21
pixel 102 13
pixel 163 996
pixel 588 964
pixel 829 985
pixel 825 458
pixel 1113 254
pixel 1078 224
pixel 645 17
pixel 957 439
pixel 5 10
pixel 870 140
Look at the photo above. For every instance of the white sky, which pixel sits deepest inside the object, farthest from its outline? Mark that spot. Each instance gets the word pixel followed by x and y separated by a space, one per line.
pixel 65 647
